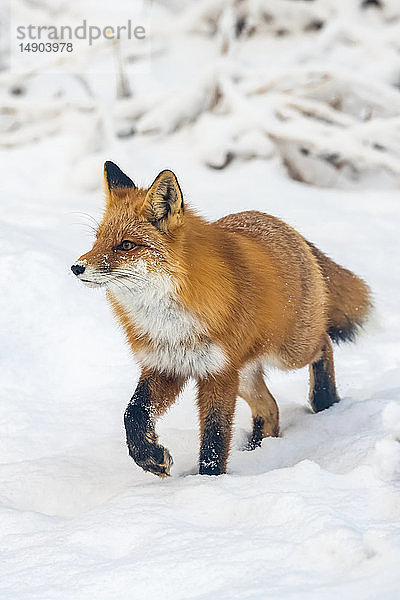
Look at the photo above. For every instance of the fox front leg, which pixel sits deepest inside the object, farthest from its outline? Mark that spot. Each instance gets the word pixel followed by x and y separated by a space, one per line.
pixel 154 394
pixel 216 402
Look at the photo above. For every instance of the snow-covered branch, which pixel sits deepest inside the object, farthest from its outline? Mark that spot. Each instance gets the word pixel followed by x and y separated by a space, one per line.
pixel 314 83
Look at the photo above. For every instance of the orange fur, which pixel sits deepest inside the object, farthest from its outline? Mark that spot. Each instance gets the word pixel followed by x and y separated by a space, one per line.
pixel 248 289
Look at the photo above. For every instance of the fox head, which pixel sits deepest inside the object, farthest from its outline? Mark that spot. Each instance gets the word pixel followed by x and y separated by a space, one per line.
pixel 139 236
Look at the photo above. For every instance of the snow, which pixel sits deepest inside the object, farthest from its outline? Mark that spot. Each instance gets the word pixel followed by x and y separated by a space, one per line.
pixel 312 514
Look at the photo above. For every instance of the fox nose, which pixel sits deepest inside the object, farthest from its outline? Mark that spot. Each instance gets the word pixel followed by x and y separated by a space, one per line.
pixel 78 269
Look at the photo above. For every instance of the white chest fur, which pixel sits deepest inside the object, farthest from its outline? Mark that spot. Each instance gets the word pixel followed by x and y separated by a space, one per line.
pixel 179 343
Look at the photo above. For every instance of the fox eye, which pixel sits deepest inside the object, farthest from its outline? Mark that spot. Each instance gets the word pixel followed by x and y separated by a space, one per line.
pixel 126 245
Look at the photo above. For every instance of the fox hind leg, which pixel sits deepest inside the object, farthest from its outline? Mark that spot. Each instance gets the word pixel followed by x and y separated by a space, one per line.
pixel 264 409
pixel 323 391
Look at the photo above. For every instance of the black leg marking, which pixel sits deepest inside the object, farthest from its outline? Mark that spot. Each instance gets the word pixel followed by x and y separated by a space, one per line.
pixel 213 451
pixel 141 438
pixel 256 437
pixel 137 418
pixel 324 392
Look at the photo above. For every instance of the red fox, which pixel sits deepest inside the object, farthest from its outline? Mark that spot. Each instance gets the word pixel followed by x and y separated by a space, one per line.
pixel 215 302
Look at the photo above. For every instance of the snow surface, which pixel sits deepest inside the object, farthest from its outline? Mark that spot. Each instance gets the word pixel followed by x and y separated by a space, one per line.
pixel 312 514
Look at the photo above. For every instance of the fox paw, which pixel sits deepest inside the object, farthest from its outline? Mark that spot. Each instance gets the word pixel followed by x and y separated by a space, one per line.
pixel 261 429
pixel 153 458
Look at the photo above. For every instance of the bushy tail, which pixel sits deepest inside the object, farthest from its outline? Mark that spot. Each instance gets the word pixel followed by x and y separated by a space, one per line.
pixel 349 299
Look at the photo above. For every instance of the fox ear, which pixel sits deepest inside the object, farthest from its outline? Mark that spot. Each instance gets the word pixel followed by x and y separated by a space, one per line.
pixel 115 179
pixel 163 205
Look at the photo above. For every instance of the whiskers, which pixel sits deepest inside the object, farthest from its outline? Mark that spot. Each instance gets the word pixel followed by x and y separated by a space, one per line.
pixel 121 277
pixel 91 226
pixel 128 281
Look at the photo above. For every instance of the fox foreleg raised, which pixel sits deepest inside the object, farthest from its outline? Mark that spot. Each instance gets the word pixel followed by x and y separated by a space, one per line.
pixel 153 395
